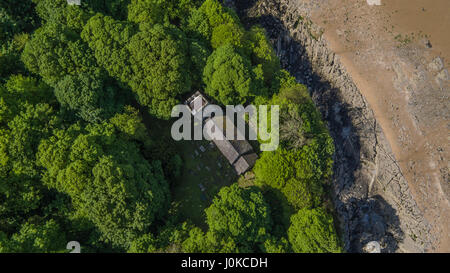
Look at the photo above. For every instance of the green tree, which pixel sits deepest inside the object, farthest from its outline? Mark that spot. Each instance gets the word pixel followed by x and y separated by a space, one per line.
pixel 18 91
pixel 24 121
pixel 263 53
pixel 154 62
pixel 292 172
pixel 297 105
pixel 143 244
pixel 149 11
pixel 130 124
pixel 302 128
pixel 35 238
pixel 124 198
pixel 9 55
pixel 312 231
pixel 107 38
pixel 303 164
pixel 228 33
pixel 10 64
pixel 59 12
pixel 21 191
pixel 276 245
pixel 54 52
pixel 160 65
pixel 238 221
pixel 169 238
pixel 93 99
pixel 11 47
pixel 160 11
pixel 239 213
pixel 196 242
pixel 217 24
pixel 228 76
pixel 23 134
pixel 198 25
pixel 107 179
pixel 300 194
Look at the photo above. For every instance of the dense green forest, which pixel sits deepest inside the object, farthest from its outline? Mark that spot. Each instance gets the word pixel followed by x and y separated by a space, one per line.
pixel 83 93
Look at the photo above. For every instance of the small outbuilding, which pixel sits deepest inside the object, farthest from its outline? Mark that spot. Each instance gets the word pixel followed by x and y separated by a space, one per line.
pixel 196 102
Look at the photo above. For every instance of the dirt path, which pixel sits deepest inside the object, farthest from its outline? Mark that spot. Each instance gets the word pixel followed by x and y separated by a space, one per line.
pixel 398 54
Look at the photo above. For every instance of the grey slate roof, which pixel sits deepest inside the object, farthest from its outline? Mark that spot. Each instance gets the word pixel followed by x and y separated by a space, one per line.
pixel 245 163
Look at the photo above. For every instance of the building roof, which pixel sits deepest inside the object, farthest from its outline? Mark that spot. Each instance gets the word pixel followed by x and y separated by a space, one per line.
pixel 238 152
pixel 221 124
pixel 245 163
pixel 196 102
pixel 227 150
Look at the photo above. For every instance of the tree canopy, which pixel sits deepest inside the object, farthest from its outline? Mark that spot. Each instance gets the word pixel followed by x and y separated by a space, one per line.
pixel 55 51
pixel 159 60
pixel 312 231
pixel 228 76
pixel 107 178
pixel 25 119
pixel 217 24
pixel 93 99
pixel 156 58
pixel 59 12
pixel 35 238
pixel 238 221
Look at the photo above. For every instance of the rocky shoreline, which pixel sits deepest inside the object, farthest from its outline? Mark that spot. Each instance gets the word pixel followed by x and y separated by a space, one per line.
pixel 371 196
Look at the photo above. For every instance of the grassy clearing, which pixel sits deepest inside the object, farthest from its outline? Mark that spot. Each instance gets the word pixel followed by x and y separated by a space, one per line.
pixel 208 168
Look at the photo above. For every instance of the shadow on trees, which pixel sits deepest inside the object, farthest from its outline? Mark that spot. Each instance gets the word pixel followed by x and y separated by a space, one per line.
pixel 280 210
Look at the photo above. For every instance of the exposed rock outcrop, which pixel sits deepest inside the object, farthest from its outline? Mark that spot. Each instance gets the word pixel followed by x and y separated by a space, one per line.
pixel 372 198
